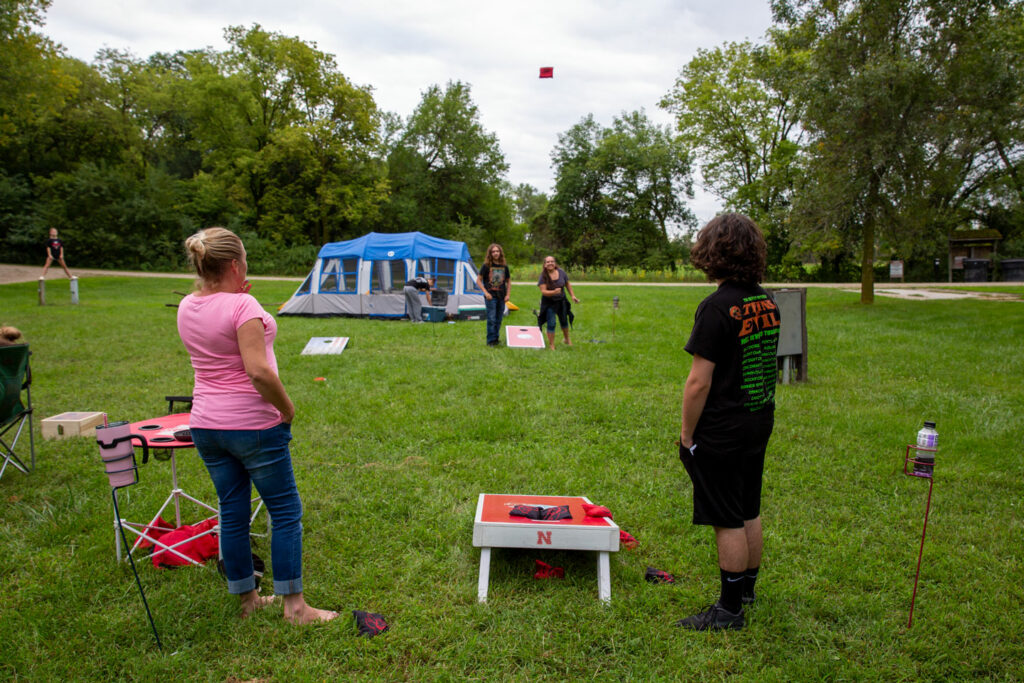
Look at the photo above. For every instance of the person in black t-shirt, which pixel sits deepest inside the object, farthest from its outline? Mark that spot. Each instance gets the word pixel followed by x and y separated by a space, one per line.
pixel 728 408
pixel 55 251
pixel 495 280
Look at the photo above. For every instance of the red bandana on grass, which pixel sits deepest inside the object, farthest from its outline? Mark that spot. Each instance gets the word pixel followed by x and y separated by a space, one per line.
pixel 546 571
pixel 657 576
pixel 370 624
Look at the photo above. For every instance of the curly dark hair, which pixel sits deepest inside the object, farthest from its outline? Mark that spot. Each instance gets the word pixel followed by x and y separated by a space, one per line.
pixel 730 247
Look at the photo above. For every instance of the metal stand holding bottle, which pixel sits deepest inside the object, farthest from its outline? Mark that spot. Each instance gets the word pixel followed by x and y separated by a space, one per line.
pixel 615 307
pixel 915 467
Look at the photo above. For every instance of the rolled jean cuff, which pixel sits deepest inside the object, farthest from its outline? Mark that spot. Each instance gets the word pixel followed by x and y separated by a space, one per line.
pixel 288 587
pixel 242 586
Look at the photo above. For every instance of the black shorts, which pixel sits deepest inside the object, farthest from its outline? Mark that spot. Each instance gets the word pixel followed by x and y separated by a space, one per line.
pixel 726 472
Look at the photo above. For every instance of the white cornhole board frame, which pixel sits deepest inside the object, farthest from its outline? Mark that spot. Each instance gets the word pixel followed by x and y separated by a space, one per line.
pixel 523 337
pixel 324 346
pixel 494 527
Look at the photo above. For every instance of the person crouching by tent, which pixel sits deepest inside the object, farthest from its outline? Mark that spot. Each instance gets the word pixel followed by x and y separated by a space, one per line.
pixel 413 304
pixel 495 280
pixel 553 283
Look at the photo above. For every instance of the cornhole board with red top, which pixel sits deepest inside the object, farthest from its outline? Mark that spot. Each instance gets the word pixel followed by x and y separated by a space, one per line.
pixel 524 337
pixel 494 527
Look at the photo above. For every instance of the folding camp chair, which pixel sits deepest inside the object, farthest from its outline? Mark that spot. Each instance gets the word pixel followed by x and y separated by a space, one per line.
pixel 16 377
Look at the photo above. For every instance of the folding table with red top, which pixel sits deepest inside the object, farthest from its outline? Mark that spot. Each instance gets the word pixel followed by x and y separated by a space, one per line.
pixel 159 433
pixel 494 527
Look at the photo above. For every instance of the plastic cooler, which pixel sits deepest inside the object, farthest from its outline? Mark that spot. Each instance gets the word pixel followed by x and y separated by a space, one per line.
pixel 433 314
pixel 472 312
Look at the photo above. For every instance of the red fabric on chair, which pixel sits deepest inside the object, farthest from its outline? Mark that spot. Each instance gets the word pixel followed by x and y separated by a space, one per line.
pixel 200 550
pixel 155 530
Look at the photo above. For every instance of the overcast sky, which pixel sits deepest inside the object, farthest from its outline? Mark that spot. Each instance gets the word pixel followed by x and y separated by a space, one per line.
pixel 609 56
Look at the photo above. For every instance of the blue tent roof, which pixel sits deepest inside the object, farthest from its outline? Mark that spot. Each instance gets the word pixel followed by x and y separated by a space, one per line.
pixel 378 246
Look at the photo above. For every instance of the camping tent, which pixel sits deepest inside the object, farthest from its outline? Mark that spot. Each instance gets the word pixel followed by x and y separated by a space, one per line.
pixel 365 276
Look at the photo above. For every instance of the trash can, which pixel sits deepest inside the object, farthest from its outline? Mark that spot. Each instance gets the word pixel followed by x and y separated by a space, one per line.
pixel 1013 269
pixel 976 269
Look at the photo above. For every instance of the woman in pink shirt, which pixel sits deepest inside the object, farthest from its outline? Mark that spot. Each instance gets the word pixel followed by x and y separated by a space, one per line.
pixel 241 420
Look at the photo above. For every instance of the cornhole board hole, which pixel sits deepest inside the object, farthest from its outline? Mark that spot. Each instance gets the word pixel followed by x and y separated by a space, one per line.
pixel 324 346
pixel 494 527
pixel 66 425
pixel 524 337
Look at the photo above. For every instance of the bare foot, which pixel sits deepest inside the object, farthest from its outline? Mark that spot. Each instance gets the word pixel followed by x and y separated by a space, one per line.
pixel 310 615
pixel 254 601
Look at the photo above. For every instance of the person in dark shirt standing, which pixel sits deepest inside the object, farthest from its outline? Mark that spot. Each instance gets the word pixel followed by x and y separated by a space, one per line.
pixel 554 286
pixel 729 407
pixel 55 252
pixel 494 279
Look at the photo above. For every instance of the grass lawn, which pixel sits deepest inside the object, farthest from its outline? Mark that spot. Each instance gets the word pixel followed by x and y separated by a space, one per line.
pixel 414 421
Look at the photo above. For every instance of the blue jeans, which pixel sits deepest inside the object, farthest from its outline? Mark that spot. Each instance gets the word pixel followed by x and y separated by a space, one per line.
pixel 495 310
pixel 553 310
pixel 236 459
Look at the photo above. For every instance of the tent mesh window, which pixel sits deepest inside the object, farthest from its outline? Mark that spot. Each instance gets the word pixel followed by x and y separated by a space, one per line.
pixel 441 269
pixel 349 274
pixel 304 289
pixel 329 275
pixel 471 286
pixel 389 276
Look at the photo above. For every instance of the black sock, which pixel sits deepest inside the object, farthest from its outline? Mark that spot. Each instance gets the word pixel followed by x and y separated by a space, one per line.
pixel 749 579
pixel 732 590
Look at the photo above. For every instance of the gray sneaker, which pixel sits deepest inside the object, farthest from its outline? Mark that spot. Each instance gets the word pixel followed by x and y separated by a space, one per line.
pixel 714 618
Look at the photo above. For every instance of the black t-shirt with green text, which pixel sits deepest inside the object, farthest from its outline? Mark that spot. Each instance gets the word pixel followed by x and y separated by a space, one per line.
pixel 737 328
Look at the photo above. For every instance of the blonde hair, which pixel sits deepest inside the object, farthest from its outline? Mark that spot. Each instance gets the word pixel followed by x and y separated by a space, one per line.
pixel 210 251
pixel 9 335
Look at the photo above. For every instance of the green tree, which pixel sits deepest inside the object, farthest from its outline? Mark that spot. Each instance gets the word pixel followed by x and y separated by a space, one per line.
pixel 291 139
pixel 904 132
pixel 619 192
pixel 735 109
pixel 447 172
pixel 32 84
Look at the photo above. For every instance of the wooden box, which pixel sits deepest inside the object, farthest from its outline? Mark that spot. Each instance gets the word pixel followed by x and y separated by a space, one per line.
pixel 66 425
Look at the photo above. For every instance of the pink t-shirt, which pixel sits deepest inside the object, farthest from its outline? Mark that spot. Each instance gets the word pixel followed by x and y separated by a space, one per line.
pixel 224 397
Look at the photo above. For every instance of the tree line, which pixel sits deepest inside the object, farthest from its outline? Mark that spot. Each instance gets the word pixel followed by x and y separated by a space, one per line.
pixel 856 130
